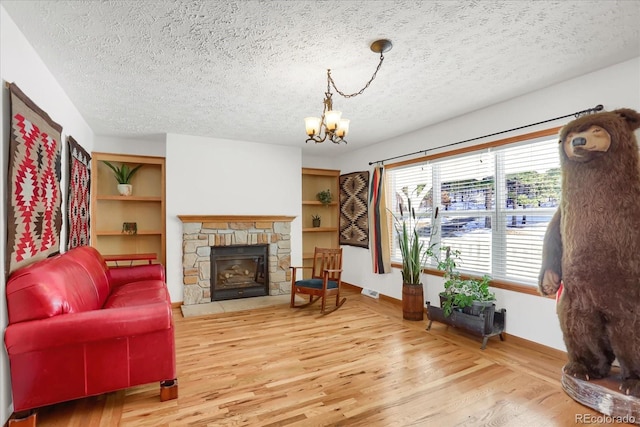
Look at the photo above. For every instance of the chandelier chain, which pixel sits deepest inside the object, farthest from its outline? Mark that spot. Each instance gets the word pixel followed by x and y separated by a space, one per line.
pixel 351 95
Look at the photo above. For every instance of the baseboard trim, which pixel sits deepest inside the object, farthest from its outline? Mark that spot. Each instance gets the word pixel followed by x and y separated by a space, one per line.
pixel 532 345
pixel 382 296
pixel 352 287
pixel 393 301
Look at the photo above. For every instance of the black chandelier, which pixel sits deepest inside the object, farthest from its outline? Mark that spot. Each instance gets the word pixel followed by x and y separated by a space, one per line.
pixel 331 125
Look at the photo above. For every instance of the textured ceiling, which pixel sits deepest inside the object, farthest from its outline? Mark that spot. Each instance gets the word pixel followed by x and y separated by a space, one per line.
pixel 252 70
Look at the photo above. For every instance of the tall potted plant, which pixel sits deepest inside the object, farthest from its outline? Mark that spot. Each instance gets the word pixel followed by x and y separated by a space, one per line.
pixel 414 254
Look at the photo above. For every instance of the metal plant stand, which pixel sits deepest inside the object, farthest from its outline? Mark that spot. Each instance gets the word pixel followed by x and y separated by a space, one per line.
pixel 487 324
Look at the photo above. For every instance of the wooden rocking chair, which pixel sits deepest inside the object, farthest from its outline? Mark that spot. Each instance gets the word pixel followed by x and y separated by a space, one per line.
pixel 325 280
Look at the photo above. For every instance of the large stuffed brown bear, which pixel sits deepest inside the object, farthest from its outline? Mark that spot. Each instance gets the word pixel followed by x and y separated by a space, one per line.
pixel 592 247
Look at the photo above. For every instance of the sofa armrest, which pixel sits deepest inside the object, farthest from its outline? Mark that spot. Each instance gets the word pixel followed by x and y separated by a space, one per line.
pixel 87 326
pixel 123 275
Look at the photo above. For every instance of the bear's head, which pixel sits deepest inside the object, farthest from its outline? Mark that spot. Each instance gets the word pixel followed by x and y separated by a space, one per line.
pixel 591 137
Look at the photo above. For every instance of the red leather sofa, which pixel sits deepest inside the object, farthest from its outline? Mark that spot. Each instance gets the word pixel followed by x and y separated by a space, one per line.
pixel 78 328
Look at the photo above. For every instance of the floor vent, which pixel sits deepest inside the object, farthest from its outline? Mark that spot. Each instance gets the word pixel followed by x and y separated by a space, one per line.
pixel 370 293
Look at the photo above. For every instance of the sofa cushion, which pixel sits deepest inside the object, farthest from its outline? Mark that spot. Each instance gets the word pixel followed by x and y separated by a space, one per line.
pixel 49 288
pixel 138 286
pixel 119 276
pixel 138 293
pixel 91 260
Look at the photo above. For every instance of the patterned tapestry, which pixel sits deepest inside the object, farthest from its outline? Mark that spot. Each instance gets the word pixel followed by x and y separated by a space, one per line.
pixel 34 202
pixel 78 196
pixel 354 217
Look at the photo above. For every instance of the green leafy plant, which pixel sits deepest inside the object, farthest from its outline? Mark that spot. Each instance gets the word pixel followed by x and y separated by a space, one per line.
pixel 459 292
pixel 122 174
pixel 315 217
pixel 325 197
pixel 414 251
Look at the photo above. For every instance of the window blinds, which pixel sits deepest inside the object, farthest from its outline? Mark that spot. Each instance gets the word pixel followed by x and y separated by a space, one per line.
pixel 494 205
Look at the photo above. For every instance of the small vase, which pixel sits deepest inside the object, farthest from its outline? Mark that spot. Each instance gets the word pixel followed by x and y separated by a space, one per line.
pixel 125 189
pixel 316 223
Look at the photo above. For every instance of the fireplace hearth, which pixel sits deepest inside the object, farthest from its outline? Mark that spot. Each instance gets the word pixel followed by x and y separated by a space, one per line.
pixel 239 271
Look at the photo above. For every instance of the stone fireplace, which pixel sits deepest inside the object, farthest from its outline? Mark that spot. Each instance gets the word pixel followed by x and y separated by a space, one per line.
pixel 203 235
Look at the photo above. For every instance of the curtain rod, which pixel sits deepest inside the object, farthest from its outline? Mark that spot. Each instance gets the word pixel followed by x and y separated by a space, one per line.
pixel 598 107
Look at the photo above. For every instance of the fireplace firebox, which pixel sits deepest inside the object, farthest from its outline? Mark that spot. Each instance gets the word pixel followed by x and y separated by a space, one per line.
pixel 239 271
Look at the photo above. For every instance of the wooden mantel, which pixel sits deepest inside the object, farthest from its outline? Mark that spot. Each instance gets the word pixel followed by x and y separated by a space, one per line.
pixel 235 218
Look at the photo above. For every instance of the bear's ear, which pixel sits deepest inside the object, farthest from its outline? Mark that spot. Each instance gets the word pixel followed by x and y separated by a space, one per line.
pixel 630 116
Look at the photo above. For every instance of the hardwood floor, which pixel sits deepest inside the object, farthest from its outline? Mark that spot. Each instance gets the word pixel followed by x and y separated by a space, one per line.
pixel 359 366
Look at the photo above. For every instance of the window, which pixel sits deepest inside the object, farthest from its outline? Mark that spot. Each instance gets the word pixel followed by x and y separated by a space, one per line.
pixel 494 204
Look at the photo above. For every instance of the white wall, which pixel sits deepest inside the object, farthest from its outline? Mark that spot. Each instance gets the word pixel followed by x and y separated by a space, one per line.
pixel 133 146
pixel 530 317
pixel 319 162
pixel 210 176
pixel 20 64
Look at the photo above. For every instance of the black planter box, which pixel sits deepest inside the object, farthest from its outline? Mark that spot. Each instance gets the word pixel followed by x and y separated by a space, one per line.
pixel 483 310
pixel 486 324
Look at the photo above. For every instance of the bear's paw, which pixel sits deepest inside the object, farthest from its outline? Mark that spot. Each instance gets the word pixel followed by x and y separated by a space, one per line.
pixel 581 372
pixel 630 387
pixel 549 282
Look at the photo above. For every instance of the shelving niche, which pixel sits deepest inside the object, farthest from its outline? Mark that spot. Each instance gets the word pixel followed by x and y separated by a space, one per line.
pixel 325 236
pixel 145 207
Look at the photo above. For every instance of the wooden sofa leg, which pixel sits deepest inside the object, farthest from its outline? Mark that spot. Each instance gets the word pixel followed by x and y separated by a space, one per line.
pixel 23 419
pixel 168 390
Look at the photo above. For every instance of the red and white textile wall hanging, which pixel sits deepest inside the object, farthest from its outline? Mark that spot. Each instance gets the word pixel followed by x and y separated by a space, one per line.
pixel 78 195
pixel 34 201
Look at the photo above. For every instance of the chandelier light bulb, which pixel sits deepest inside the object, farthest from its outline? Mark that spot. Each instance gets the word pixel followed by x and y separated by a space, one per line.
pixel 343 128
pixel 312 124
pixel 333 118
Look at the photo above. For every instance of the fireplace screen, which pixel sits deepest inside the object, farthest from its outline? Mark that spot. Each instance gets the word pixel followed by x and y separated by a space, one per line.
pixel 239 271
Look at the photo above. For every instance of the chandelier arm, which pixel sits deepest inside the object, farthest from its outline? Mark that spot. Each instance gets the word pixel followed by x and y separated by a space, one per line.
pixel 351 95
pixel 316 139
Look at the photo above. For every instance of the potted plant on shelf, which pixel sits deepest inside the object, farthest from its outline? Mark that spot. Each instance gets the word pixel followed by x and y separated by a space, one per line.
pixel 325 197
pixel 123 175
pixel 316 220
pixel 414 253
